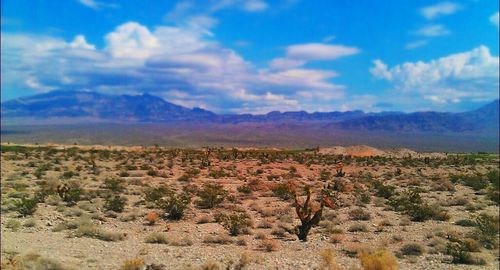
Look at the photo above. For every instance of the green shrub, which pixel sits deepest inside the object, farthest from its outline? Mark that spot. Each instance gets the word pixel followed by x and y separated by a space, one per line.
pixel 244 189
pixel 211 195
pixel 114 185
pixel 69 174
pixel 460 254
pixel 115 203
pixel 487 230
pixel 384 191
pixel 26 207
pixel 412 249
pixel 153 195
pixel 235 223
pixel 174 205
pixel 283 191
pixel 476 182
pixel 70 193
pixel 465 223
pixel 13 224
pixel 411 203
pixel 494 178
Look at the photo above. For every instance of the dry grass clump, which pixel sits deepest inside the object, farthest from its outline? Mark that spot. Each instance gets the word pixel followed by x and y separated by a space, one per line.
pixel 181 241
pixel 412 249
pixel 13 224
pixel 31 261
pixel 157 238
pixel 210 265
pixel 269 245
pixel 328 260
pixel 358 227
pixel 378 260
pixel 359 214
pixel 218 239
pixel 205 219
pixel 92 231
pixel 133 264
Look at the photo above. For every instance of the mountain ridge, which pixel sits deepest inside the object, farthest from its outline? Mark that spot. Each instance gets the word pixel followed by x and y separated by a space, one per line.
pixel 147 108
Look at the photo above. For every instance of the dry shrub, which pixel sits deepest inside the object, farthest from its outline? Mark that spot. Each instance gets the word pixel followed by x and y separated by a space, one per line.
pixel 412 249
pixel 218 239
pixel 133 264
pixel 205 219
pixel 157 238
pixel 270 245
pixel 265 224
pixel 359 214
pixel 152 218
pixel 31 261
pixel 336 238
pixel 181 242
pixel 352 249
pixel 210 265
pixel 328 260
pixel 246 259
pixel 378 260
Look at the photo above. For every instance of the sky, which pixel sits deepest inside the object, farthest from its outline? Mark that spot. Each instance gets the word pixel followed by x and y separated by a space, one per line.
pixel 257 56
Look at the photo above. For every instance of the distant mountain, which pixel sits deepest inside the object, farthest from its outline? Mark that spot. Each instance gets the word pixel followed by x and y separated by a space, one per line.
pixel 151 109
pixel 142 108
pixel 482 119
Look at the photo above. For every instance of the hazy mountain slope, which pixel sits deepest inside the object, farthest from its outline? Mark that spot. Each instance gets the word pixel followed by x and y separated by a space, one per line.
pixel 151 109
pixel 90 104
pixel 482 119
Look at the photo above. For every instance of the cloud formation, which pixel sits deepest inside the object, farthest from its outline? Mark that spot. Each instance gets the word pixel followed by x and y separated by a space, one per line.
pixel 182 64
pixel 299 54
pixel 440 9
pixel 472 75
pixel 97 4
pixel 433 30
pixel 494 19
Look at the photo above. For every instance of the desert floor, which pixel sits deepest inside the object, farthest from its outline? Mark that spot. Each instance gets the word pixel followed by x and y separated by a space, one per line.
pixel 103 207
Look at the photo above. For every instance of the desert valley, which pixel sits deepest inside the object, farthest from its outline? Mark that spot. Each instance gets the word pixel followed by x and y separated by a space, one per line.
pixel 110 207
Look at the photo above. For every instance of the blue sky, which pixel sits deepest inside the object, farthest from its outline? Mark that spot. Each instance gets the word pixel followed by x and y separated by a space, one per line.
pixel 241 56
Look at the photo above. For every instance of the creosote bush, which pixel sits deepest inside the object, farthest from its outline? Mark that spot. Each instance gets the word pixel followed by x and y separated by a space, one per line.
pixel 174 204
pixel 115 203
pixel 26 206
pixel 411 203
pixel 211 195
pixel 235 223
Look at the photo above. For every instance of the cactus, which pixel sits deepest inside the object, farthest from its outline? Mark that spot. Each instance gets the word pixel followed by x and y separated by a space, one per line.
pixel 309 216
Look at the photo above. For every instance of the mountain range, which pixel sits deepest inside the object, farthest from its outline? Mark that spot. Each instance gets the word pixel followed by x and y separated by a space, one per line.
pixel 147 108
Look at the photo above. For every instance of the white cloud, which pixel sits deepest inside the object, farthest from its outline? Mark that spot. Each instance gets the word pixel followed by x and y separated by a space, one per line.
pixel 494 19
pixel 319 51
pixel 472 74
pixel 254 5
pixel 97 4
pixel 299 54
pixel 180 63
pixel 433 30
pixel 440 9
pixel 81 43
pixel 131 40
pixel 416 44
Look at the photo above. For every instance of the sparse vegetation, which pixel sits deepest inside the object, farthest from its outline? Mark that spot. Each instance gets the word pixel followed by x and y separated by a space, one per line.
pixel 168 202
